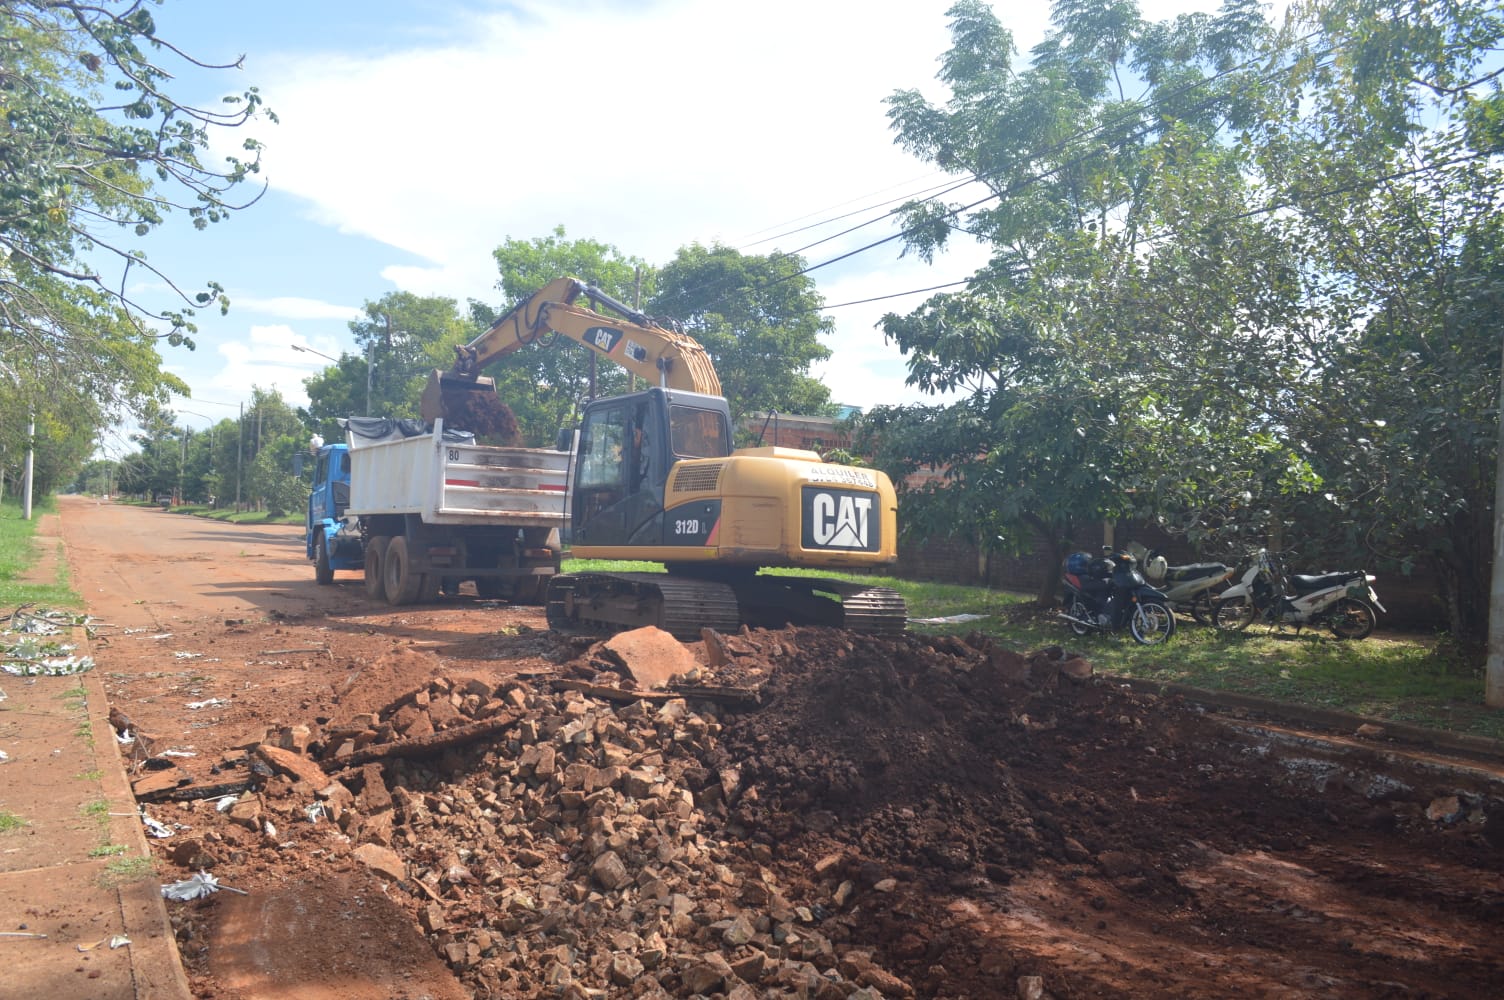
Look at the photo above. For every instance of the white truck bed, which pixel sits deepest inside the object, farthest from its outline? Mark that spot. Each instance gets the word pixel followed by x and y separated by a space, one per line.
pixel 444 482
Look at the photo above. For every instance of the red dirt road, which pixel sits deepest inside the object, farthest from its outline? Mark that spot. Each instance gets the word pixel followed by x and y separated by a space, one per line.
pixel 901 817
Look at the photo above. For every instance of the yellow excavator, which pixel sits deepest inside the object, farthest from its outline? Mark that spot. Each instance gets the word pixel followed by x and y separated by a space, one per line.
pixel 655 478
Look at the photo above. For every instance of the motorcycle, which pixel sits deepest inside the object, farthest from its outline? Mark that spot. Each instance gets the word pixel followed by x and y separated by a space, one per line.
pixel 1105 594
pixel 1191 588
pixel 1343 601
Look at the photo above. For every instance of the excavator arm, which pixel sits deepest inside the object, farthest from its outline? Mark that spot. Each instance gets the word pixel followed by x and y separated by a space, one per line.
pixel 660 356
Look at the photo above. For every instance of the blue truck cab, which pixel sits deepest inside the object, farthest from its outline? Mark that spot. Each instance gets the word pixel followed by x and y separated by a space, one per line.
pixel 332 543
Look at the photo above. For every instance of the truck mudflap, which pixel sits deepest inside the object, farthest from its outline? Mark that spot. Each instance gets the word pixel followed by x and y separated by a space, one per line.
pixel 604 603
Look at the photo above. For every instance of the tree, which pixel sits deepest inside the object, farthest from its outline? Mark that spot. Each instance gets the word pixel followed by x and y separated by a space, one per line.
pixel 1075 411
pixel 97 151
pixel 758 318
pixel 402 338
pixel 1277 264
pixel 545 384
pixel 1390 175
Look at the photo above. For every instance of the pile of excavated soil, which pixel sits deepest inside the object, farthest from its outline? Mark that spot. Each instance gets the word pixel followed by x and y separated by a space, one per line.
pixel 899 817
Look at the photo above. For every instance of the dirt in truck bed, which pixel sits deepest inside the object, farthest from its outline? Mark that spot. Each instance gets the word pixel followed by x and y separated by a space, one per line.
pixel 450 800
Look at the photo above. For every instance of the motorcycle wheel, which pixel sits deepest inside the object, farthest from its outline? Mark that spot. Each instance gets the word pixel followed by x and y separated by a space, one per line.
pixel 1351 619
pixel 1232 615
pixel 1152 623
pixel 1078 610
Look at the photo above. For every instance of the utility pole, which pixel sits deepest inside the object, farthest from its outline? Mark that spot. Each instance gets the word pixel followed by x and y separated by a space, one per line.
pixel 31 433
pixel 370 372
pixel 1493 675
pixel 239 453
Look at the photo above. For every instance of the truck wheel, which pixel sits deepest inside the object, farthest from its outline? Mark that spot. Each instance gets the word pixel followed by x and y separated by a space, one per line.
pixel 323 573
pixel 375 555
pixel 402 584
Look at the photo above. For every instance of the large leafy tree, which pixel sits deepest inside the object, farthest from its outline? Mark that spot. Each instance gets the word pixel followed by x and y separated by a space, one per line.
pixel 544 384
pixel 95 154
pixel 759 319
pixel 400 338
pixel 1390 174
pixel 1274 260
pixel 1073 410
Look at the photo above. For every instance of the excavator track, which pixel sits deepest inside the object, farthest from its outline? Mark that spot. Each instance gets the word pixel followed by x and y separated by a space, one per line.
pixel 877 610
pixel 603 603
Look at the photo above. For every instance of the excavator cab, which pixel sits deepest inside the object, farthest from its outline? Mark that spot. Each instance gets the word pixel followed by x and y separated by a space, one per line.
pixel 628 446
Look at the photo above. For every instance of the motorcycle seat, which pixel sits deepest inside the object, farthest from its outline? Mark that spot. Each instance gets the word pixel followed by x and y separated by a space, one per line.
pixel 1307 584
pixel 1195 571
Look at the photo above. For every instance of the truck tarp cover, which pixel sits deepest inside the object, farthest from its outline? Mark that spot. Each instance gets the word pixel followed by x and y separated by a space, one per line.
pixel 374 430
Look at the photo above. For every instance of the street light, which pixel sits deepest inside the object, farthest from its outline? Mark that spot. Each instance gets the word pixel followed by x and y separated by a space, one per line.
pixel 370 365
pixel 309 350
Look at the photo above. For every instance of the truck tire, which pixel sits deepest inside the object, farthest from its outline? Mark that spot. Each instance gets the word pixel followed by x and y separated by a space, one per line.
pixel 375 555
pixel 402 585
pixel 323 573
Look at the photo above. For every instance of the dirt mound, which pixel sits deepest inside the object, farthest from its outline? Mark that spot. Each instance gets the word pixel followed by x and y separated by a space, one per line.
pixel 478 410
pixel 900 817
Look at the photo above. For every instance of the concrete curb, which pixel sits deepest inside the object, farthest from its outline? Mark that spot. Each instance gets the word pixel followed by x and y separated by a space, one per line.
pixel 156 964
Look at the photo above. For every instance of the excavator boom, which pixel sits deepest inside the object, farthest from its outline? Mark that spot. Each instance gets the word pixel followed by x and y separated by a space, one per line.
pixel 660 356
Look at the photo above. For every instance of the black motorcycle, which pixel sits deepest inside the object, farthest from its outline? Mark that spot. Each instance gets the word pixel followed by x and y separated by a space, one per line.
pixel 1105 594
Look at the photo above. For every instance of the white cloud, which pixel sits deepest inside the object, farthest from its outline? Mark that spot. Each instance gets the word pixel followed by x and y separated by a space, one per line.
pixel 648 125
pixel 293 307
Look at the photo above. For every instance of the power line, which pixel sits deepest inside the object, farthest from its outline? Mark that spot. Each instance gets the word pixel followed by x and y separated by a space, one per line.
pixel 1140 112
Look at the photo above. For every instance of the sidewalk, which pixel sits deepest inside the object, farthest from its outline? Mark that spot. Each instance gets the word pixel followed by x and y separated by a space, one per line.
pixel 74 861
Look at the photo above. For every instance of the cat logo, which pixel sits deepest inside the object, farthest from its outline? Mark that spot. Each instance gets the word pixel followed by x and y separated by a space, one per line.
pixel 602 338
pixel 839 519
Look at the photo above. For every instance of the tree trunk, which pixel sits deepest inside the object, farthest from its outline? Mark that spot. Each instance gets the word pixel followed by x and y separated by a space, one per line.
pixel 1049 591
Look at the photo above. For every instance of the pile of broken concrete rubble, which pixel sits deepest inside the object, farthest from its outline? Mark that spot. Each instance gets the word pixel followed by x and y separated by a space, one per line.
pixel 562 837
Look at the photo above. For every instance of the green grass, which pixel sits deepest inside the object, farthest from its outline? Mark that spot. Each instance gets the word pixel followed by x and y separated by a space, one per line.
pixel 18 554
pixel 108 850
pixel 232 516
pixel 9 821
pixel 1410 679
pixel 124 871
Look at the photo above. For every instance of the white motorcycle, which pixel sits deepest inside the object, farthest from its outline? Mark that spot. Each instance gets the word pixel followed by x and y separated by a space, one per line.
pixel 1343 601
pixel 1192 588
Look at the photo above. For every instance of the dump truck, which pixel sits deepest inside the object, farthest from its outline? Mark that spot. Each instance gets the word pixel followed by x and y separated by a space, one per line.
pixel 420 509
pixel 655 478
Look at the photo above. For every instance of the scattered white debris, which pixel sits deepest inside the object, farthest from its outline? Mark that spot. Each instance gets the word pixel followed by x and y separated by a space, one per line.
pixel 949 620
pixel 177 753
pixel 271 831
pixel 315 812
pixel 183 654
pixel 208 703
pixel 124 738
pixel 4 756
pixel 200 885
pixel 159 636
pixel 224 803
pixel 154 828
pixel 114 941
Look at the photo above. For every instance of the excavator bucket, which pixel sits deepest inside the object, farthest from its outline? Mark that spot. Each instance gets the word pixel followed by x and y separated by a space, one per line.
pixel 468 403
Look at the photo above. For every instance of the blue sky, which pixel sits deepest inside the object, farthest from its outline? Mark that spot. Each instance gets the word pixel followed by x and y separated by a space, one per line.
pixel 415 137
